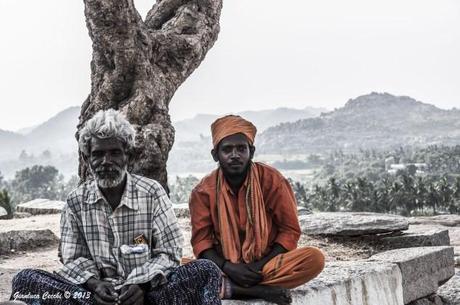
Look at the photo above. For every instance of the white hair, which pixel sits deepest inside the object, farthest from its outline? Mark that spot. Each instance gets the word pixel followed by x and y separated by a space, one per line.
pixel 106 124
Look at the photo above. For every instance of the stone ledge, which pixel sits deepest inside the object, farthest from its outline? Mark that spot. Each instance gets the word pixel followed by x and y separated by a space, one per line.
pixel 423 269
pixel 41 206
pixel 418 238
pixel 351 223
pixel 348 283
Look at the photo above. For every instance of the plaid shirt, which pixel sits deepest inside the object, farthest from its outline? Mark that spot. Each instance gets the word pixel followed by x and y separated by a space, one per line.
pixel 91 234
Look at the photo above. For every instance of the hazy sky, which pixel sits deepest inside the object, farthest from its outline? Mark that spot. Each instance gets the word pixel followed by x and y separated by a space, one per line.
pixel 269 54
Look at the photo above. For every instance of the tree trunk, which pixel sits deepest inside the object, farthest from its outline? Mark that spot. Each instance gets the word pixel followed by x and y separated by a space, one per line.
pixel 138 65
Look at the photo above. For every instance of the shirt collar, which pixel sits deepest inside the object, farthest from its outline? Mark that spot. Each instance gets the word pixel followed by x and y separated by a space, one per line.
pixel 128 198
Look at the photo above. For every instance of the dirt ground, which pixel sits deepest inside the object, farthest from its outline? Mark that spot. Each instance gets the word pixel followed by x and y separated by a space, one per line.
pixel 336 249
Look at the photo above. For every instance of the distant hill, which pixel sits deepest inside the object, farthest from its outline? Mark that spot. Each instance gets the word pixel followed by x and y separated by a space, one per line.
pixel 56 135
pixel 8 141
pixel 191 129
pixel 376 120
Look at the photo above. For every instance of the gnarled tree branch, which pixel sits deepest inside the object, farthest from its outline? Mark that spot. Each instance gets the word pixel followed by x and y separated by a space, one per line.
pixel 137 66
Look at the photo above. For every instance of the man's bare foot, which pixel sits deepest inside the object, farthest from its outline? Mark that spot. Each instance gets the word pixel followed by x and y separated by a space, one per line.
pixel 274 294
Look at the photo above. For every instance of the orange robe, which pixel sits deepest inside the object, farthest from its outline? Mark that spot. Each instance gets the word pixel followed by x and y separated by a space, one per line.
pixel 289 269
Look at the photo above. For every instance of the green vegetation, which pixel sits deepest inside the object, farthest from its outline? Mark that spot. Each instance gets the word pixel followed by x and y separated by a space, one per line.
pixel 370 164
pixel 365 182
pixel 5 202
pixel 404 194
pixel 35 182
pixel 181 189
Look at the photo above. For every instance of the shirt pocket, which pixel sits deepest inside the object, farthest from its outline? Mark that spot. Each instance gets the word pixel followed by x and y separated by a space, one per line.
pixel 131 261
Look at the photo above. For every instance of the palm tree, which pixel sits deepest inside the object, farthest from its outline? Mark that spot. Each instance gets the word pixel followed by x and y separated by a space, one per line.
pixel 433 197
pixel 445 192
pixel 408 195
pixel 333 193
pixel 421 193
pixel 395 196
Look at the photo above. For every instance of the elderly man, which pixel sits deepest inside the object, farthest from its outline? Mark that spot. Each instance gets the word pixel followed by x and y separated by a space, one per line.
pixel 120 240
pixel 244 218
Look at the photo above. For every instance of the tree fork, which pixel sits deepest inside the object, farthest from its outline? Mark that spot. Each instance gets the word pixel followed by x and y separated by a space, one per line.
pixel 138 65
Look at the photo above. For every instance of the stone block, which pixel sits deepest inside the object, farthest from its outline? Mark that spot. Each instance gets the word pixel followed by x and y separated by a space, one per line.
pixel 450 291
pixel 26 239
pixel 347 283
pixel 450 220
pixel 351 223
pixel 418 238
pixel 423 269
pixel 41 206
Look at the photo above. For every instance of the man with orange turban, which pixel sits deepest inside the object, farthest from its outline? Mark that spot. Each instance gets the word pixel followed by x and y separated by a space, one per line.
pixel 244 218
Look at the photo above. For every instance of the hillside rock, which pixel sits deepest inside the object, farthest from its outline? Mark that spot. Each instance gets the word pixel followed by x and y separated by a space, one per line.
pixel 351 223
pixel 423 269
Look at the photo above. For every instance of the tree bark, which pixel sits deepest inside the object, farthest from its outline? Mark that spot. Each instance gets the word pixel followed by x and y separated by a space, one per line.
pixel 138 65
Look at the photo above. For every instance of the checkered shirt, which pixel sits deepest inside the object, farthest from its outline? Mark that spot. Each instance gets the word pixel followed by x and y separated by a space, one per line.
pixel 91 234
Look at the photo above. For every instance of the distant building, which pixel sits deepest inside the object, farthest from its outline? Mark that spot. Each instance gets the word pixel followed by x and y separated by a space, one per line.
pixel 393 168
pixel 388 162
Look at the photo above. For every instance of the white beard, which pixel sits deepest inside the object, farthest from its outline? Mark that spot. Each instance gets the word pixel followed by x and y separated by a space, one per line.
pixel 110 182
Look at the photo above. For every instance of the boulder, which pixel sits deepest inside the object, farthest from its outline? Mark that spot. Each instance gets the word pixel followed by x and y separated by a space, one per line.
pixel 26 240
pixel 418 237
pixel 423 269
pixel 2 212
pixel 347 283
pixel 41 206
pixel 450 291
pixel 351 223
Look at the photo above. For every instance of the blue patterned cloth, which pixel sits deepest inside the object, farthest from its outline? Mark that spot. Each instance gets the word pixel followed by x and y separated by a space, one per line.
pixel 197 283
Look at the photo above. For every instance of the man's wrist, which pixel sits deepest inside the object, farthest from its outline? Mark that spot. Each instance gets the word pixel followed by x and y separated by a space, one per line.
pixel 91 283
pixel 225 265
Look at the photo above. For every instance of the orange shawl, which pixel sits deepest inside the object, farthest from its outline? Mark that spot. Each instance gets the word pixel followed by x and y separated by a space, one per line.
pixel 256 240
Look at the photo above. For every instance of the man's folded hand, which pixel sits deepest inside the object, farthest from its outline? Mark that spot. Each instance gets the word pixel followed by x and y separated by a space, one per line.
pixel 242 274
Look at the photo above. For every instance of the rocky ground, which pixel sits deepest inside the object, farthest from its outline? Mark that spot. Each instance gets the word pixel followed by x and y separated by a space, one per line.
pixel 336 248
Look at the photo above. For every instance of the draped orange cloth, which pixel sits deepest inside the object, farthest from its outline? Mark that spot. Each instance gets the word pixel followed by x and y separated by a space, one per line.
pixel 222 220
pixel 290 269
pixel 279 207
pixel 293 268
pixel 230 125
pixel 255 243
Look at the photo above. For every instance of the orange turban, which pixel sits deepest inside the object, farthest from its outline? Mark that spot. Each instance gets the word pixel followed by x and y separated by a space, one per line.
pixel 230 125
